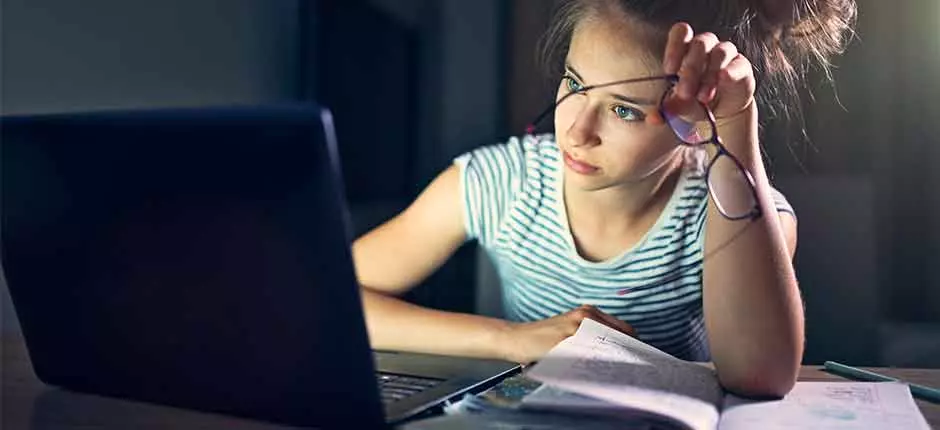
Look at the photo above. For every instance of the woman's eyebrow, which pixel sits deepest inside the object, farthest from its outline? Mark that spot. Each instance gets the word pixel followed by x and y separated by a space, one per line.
pixel 573 71
pixel 623 98
pixel 635 101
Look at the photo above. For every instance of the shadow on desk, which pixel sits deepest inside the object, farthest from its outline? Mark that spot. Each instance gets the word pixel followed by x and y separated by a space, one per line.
pixel 56 409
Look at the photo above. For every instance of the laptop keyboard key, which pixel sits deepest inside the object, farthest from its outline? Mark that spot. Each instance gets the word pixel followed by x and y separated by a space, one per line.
pixel 396 387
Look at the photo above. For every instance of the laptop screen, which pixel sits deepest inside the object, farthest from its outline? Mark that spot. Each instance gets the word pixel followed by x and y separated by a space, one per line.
pixel 196 257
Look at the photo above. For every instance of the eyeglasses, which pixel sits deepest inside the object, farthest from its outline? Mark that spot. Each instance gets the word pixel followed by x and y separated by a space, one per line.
pixel 730 185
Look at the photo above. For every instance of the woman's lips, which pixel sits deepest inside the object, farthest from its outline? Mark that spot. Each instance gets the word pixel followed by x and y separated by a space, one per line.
pixel 578 166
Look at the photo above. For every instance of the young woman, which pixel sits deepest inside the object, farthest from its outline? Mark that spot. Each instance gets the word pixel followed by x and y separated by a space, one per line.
pixel 648 209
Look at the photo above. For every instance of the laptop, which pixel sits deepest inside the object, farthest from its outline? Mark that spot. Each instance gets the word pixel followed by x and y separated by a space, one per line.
pixel 200 258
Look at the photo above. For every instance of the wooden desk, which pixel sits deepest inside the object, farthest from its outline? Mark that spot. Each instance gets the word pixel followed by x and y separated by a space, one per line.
pixel 26 403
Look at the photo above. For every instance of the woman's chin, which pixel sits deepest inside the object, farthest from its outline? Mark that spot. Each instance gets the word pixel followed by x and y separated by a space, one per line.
pixel 591 182
pixel 600 181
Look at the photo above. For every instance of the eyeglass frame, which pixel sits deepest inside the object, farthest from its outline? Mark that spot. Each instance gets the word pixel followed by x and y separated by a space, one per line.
pixel 755 212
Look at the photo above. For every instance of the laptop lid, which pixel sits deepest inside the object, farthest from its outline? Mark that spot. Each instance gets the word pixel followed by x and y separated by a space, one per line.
pixel 191 257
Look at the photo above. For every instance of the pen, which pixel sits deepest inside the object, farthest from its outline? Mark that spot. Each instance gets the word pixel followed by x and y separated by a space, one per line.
pixel 920 391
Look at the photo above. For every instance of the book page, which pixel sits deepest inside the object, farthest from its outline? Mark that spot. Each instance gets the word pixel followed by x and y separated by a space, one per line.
pixel 606 364
pixel 550 398
pixel 829 405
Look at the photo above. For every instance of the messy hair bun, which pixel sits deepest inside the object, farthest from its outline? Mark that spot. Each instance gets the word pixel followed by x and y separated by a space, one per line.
pixel 783 39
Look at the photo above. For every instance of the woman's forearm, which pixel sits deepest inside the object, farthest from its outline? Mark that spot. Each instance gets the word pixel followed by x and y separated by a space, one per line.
pixel 394 324
pixel 752 306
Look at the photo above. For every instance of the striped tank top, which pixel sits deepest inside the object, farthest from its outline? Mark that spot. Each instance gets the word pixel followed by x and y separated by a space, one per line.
pixel 513 206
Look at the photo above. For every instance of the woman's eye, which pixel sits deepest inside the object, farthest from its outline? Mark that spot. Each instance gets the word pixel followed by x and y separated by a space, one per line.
pixel 627 113
pixel 572 85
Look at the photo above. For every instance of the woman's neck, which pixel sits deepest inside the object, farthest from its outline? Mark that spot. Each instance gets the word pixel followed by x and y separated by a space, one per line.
pixel 624 208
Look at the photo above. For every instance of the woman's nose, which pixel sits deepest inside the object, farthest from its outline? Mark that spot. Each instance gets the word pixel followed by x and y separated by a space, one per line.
pixel 583 131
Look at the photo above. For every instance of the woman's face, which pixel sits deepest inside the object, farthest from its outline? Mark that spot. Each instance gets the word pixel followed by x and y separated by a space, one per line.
pixel 612 135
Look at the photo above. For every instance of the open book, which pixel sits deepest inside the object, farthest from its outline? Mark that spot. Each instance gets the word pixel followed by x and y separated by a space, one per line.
pixel 600 370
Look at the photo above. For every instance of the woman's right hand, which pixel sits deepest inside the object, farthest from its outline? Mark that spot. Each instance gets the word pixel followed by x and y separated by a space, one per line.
pixel 527 342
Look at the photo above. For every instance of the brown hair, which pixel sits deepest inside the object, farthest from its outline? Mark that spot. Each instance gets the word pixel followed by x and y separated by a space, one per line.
pixel 783 39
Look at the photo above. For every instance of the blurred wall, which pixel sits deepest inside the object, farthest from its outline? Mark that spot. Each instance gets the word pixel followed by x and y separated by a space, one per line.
pixel 62 55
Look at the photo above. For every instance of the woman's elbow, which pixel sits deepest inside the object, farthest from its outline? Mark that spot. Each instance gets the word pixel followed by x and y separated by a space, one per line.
pixel 760 381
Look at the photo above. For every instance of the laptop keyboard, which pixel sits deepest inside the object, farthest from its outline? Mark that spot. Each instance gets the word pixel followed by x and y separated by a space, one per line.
pixel 395 387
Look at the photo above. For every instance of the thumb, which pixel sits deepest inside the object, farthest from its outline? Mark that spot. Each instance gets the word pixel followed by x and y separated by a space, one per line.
pixel 610 321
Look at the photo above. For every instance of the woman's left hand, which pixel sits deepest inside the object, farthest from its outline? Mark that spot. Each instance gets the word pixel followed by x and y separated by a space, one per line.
pixel 710 71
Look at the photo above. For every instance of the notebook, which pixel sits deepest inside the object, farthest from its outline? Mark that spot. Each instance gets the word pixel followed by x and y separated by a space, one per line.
pixel 602 371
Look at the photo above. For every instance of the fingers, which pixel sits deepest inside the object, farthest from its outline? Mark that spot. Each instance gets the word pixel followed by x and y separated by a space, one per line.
pixel 737 85
pixel 588 311
pixel 711 72
pixel 677 44
pixel 737 70
pixel 719 58
pixel 694 65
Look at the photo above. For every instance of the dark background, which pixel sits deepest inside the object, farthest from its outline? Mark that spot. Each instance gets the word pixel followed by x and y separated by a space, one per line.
pixel 413 83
